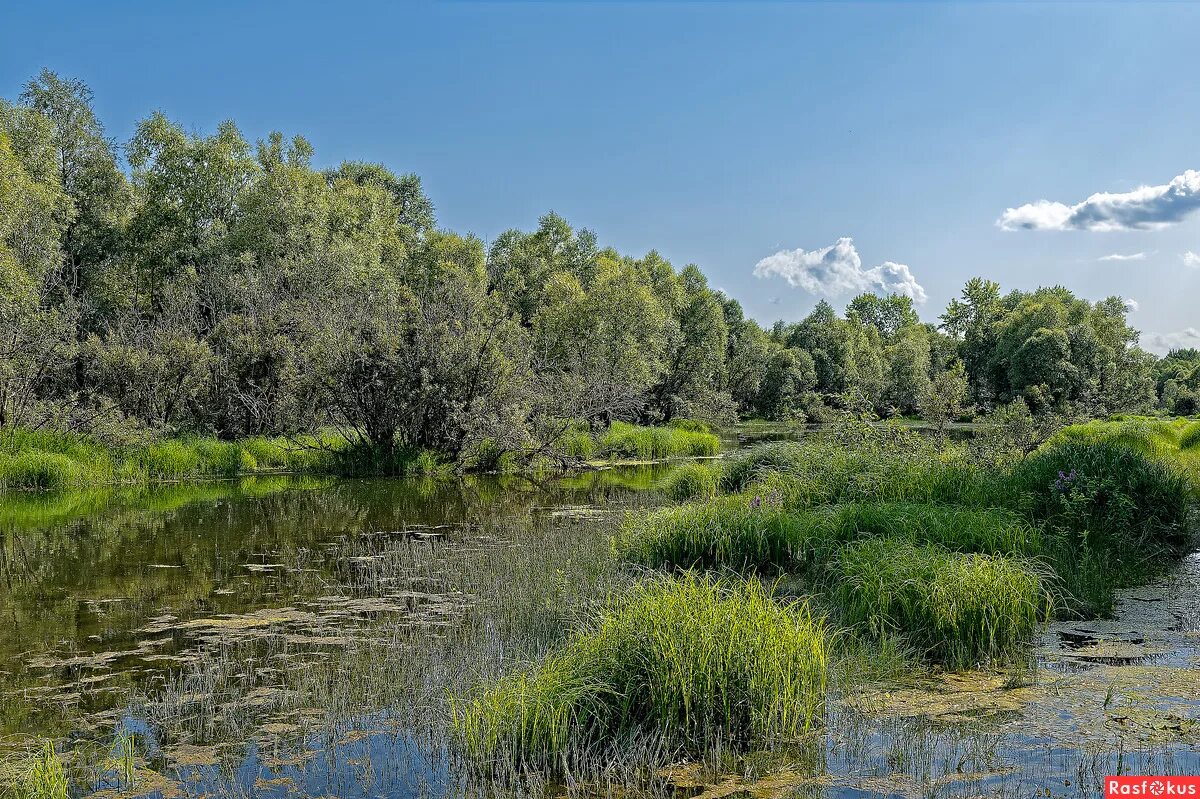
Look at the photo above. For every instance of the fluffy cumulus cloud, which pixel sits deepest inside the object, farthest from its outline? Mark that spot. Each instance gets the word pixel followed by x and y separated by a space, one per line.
pixel 1131 305
pixel 1191 259
pixel 1144 208
pixel 837 270
pixel 1116 256
pixel 1162 343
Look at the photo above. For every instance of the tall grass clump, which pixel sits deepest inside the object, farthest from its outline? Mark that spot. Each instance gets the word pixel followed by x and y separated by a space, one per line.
pixel 625 441
pixel 736 532
pixel 690 481
pixel 894 466
pixel 36 775
pixel 689 662
pixel 779 456
pixel 36 470
pixel 958 609
pixel 1106 493
pixel 993 531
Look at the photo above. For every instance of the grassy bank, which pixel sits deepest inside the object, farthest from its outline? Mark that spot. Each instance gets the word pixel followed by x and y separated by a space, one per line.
pixel 41 460
pixel 689 662
pixel 622 441
pixel 32 460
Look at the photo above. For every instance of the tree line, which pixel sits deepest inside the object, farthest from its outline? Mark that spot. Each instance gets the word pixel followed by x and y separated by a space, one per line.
pixel 201 283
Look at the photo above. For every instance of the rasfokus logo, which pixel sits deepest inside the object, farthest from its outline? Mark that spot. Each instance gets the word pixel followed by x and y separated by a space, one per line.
pixel 1151 786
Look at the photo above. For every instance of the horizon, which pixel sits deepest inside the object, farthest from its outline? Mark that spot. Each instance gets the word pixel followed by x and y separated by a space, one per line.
pixel 794 153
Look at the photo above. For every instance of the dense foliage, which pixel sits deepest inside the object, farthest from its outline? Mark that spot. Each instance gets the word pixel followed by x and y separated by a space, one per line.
pixel 203 285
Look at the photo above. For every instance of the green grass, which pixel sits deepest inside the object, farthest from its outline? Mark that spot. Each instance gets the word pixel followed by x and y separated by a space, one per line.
pixel 822 471
pixel 732 532
pixel 691 661
pixel 690 481
pixel 754 531
pixel 39 774
pixel 624 441
pixel 48 460
pixel 1108 493
pixel 955 608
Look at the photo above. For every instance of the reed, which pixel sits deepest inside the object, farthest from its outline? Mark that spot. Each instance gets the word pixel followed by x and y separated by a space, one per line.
pixel 623 441
pixel 731 532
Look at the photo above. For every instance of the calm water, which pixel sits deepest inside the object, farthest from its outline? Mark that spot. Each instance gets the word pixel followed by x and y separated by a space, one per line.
pixel 296 637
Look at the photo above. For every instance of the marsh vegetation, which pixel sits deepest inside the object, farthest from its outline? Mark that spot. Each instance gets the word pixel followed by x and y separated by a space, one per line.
pixel 804 630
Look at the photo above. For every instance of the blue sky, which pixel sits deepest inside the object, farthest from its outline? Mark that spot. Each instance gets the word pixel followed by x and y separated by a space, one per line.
pixel 743 138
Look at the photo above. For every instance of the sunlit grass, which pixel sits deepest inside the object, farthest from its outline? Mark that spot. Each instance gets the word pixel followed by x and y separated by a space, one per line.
pixel 691 660
pixel 956 608
pixel 690 481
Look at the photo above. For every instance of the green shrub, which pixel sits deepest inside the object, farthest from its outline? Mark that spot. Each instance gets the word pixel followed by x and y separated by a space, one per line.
pixel 690 661
pixel 957 609
pixel 689 481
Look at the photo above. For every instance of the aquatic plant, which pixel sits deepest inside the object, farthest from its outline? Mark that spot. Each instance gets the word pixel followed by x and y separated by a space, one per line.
pixel 734 532
pixel 959 609
pixel 39 774
pixel 691 660
pixel 1111 493
pixel 755 531
pixel 690 481
pixel 627 441
pixel 962 529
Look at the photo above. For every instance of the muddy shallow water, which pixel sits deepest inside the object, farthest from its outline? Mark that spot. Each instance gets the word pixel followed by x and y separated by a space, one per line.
pixel 295 637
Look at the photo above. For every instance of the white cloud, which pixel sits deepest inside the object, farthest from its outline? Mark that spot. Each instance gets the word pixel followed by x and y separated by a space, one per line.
pixel 837 270
pixel 1144 208
pixel 1116 256
pixel 1130 304
pixel 1162 343
pixel 1191 259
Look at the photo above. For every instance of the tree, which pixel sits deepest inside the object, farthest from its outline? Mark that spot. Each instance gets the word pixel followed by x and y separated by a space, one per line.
pixel 943 398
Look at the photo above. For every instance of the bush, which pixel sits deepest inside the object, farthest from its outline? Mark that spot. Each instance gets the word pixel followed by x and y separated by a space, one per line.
pixel 957 609
pixel 689 481
pixel 691 661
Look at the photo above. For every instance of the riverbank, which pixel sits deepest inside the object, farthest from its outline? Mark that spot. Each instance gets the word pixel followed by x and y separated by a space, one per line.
pixel 48 460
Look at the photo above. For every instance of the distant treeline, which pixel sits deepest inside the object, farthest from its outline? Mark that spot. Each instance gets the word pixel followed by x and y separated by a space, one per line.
pixel 184 283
